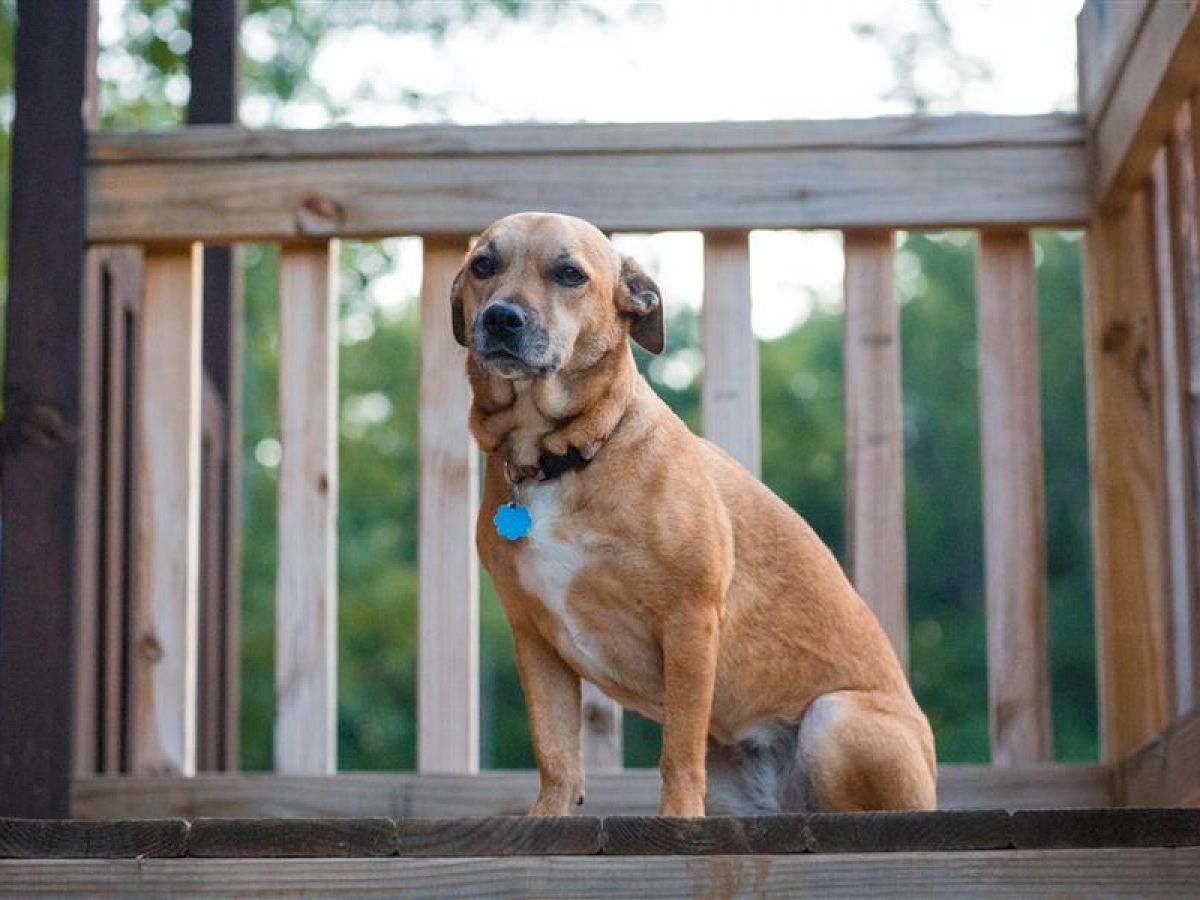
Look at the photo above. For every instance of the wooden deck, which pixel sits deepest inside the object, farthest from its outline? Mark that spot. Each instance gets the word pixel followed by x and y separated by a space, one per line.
pixel 987 853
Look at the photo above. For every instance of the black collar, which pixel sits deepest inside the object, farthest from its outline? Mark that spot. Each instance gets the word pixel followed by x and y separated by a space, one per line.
pixel 552 466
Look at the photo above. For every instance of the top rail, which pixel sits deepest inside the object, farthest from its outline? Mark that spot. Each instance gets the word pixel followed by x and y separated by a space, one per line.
pixel 218 183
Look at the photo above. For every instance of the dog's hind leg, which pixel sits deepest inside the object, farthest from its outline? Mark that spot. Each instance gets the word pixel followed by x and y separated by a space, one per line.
pixel 861 750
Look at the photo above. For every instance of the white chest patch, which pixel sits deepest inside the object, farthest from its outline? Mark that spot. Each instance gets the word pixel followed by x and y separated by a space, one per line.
pixel 546 566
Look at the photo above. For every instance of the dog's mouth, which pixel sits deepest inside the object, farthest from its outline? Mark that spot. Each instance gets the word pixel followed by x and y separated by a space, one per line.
pixel 506 362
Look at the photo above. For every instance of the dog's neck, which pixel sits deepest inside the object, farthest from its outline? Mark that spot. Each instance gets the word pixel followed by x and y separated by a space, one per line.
pixel 524 419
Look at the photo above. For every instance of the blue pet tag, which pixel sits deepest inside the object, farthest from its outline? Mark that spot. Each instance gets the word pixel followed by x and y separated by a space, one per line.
pixel 512 521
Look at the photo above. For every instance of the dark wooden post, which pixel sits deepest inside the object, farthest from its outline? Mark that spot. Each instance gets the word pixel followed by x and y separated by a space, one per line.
pixel 38 465
pixel 214 69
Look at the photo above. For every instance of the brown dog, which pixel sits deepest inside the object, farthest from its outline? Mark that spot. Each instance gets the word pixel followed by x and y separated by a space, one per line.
pixel 655 566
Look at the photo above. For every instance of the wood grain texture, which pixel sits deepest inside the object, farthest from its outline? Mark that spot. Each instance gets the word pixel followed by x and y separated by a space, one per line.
pixel 729 395
pixel 1014 500
pixel 306 580
pixel 500 836
pixel 1052 829
pixel 1010 874
pixel 292 837
pixel 507 793
pixel 908 831
pixel 1124 429
pixel 880 132
pixel 1185 151
pixel 1162 70
pixel 284 194
pixel 164 646
pixel 875 433
pixel 1105 31
pixel 1169 261
pixel 602 730
pixel 448 654
pixel 42 404
pixel 1165 771
pixel 73 839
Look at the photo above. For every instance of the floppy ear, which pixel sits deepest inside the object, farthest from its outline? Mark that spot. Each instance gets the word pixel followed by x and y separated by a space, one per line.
pixel 639 298
pixel 457 322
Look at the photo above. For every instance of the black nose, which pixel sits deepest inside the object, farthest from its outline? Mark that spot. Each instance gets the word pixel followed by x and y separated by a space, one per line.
pixel 503 319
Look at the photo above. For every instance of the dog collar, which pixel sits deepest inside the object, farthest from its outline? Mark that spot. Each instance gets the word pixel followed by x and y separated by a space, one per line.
pixel 513 520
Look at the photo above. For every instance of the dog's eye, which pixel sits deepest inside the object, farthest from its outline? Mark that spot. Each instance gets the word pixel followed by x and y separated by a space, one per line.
pixel 569 276
pixel 483 266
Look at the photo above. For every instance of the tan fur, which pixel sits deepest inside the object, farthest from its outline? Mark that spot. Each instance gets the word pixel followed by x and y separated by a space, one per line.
pixel 689 592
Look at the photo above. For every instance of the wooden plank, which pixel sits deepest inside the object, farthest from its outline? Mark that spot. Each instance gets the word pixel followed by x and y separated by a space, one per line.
pixel 448 654
pixel 660 836
pixel 292 837
pixel 164 648
pixel 990 874
pixel 283 195
pixel 306 577
pixel 125 280
pixel 880 132
pixel 909 831
pixel 507 793
pixel 114 839
pixel 1124 421
pixel 1105 31
pixel 214 71
pixel 1071 829
pixel 1014 500
pixel 1177 447
pixel 42 407
pixel 874 432
pixel 602 730
pixel 1166 771
pixel 1162 70
pixel 729 392
pixel 500 836
pixel 1185 150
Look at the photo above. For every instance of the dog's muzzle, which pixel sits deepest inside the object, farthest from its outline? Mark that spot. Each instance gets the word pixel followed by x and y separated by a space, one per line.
pixel 508 339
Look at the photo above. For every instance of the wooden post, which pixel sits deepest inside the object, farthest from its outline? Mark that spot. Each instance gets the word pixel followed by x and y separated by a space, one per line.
pixel 306 583
pixel 602 731
pixel 874 433
pixel 448 649
pixel 214 71
pixel 1185 148
pixel 729 394
pixel 1169 263
pixel 164 647
pixel 1014 500
pixel 1124 424
pixel 38 462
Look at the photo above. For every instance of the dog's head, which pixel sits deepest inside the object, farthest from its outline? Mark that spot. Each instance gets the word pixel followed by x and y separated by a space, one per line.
pixel 540 293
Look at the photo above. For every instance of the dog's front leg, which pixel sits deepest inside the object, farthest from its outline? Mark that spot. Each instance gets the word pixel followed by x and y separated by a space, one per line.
pixel 689 670
pixel 552 700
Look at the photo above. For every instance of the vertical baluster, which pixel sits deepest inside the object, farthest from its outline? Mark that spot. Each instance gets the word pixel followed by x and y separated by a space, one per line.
pixel 448 655
pixel 1014 500
pixel 306 581
pixel 874 432
pixel 1126 472
pixel 164 651
pixel 601 731
pixel 729 396
pixel 1185 150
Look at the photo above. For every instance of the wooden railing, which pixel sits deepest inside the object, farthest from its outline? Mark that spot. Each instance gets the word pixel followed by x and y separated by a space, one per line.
pixel 1002 176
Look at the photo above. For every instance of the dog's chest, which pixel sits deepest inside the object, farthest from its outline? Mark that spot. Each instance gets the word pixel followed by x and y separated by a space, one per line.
pixel 548 566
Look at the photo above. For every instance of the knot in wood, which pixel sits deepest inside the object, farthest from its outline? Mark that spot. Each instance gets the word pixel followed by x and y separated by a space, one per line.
pixel 319 214
pixel 150 648
pixel 1115 336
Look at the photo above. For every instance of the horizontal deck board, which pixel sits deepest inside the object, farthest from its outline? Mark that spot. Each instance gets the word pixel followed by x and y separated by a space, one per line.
pixel 872 832
pixel 985 874
pixel 500 793
pixel 232 185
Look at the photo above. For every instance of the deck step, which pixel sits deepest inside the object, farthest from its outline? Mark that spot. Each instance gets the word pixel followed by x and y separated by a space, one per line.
pixel 819 833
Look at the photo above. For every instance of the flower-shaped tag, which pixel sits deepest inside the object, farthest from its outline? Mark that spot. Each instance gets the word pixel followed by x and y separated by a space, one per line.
pixel 512 521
